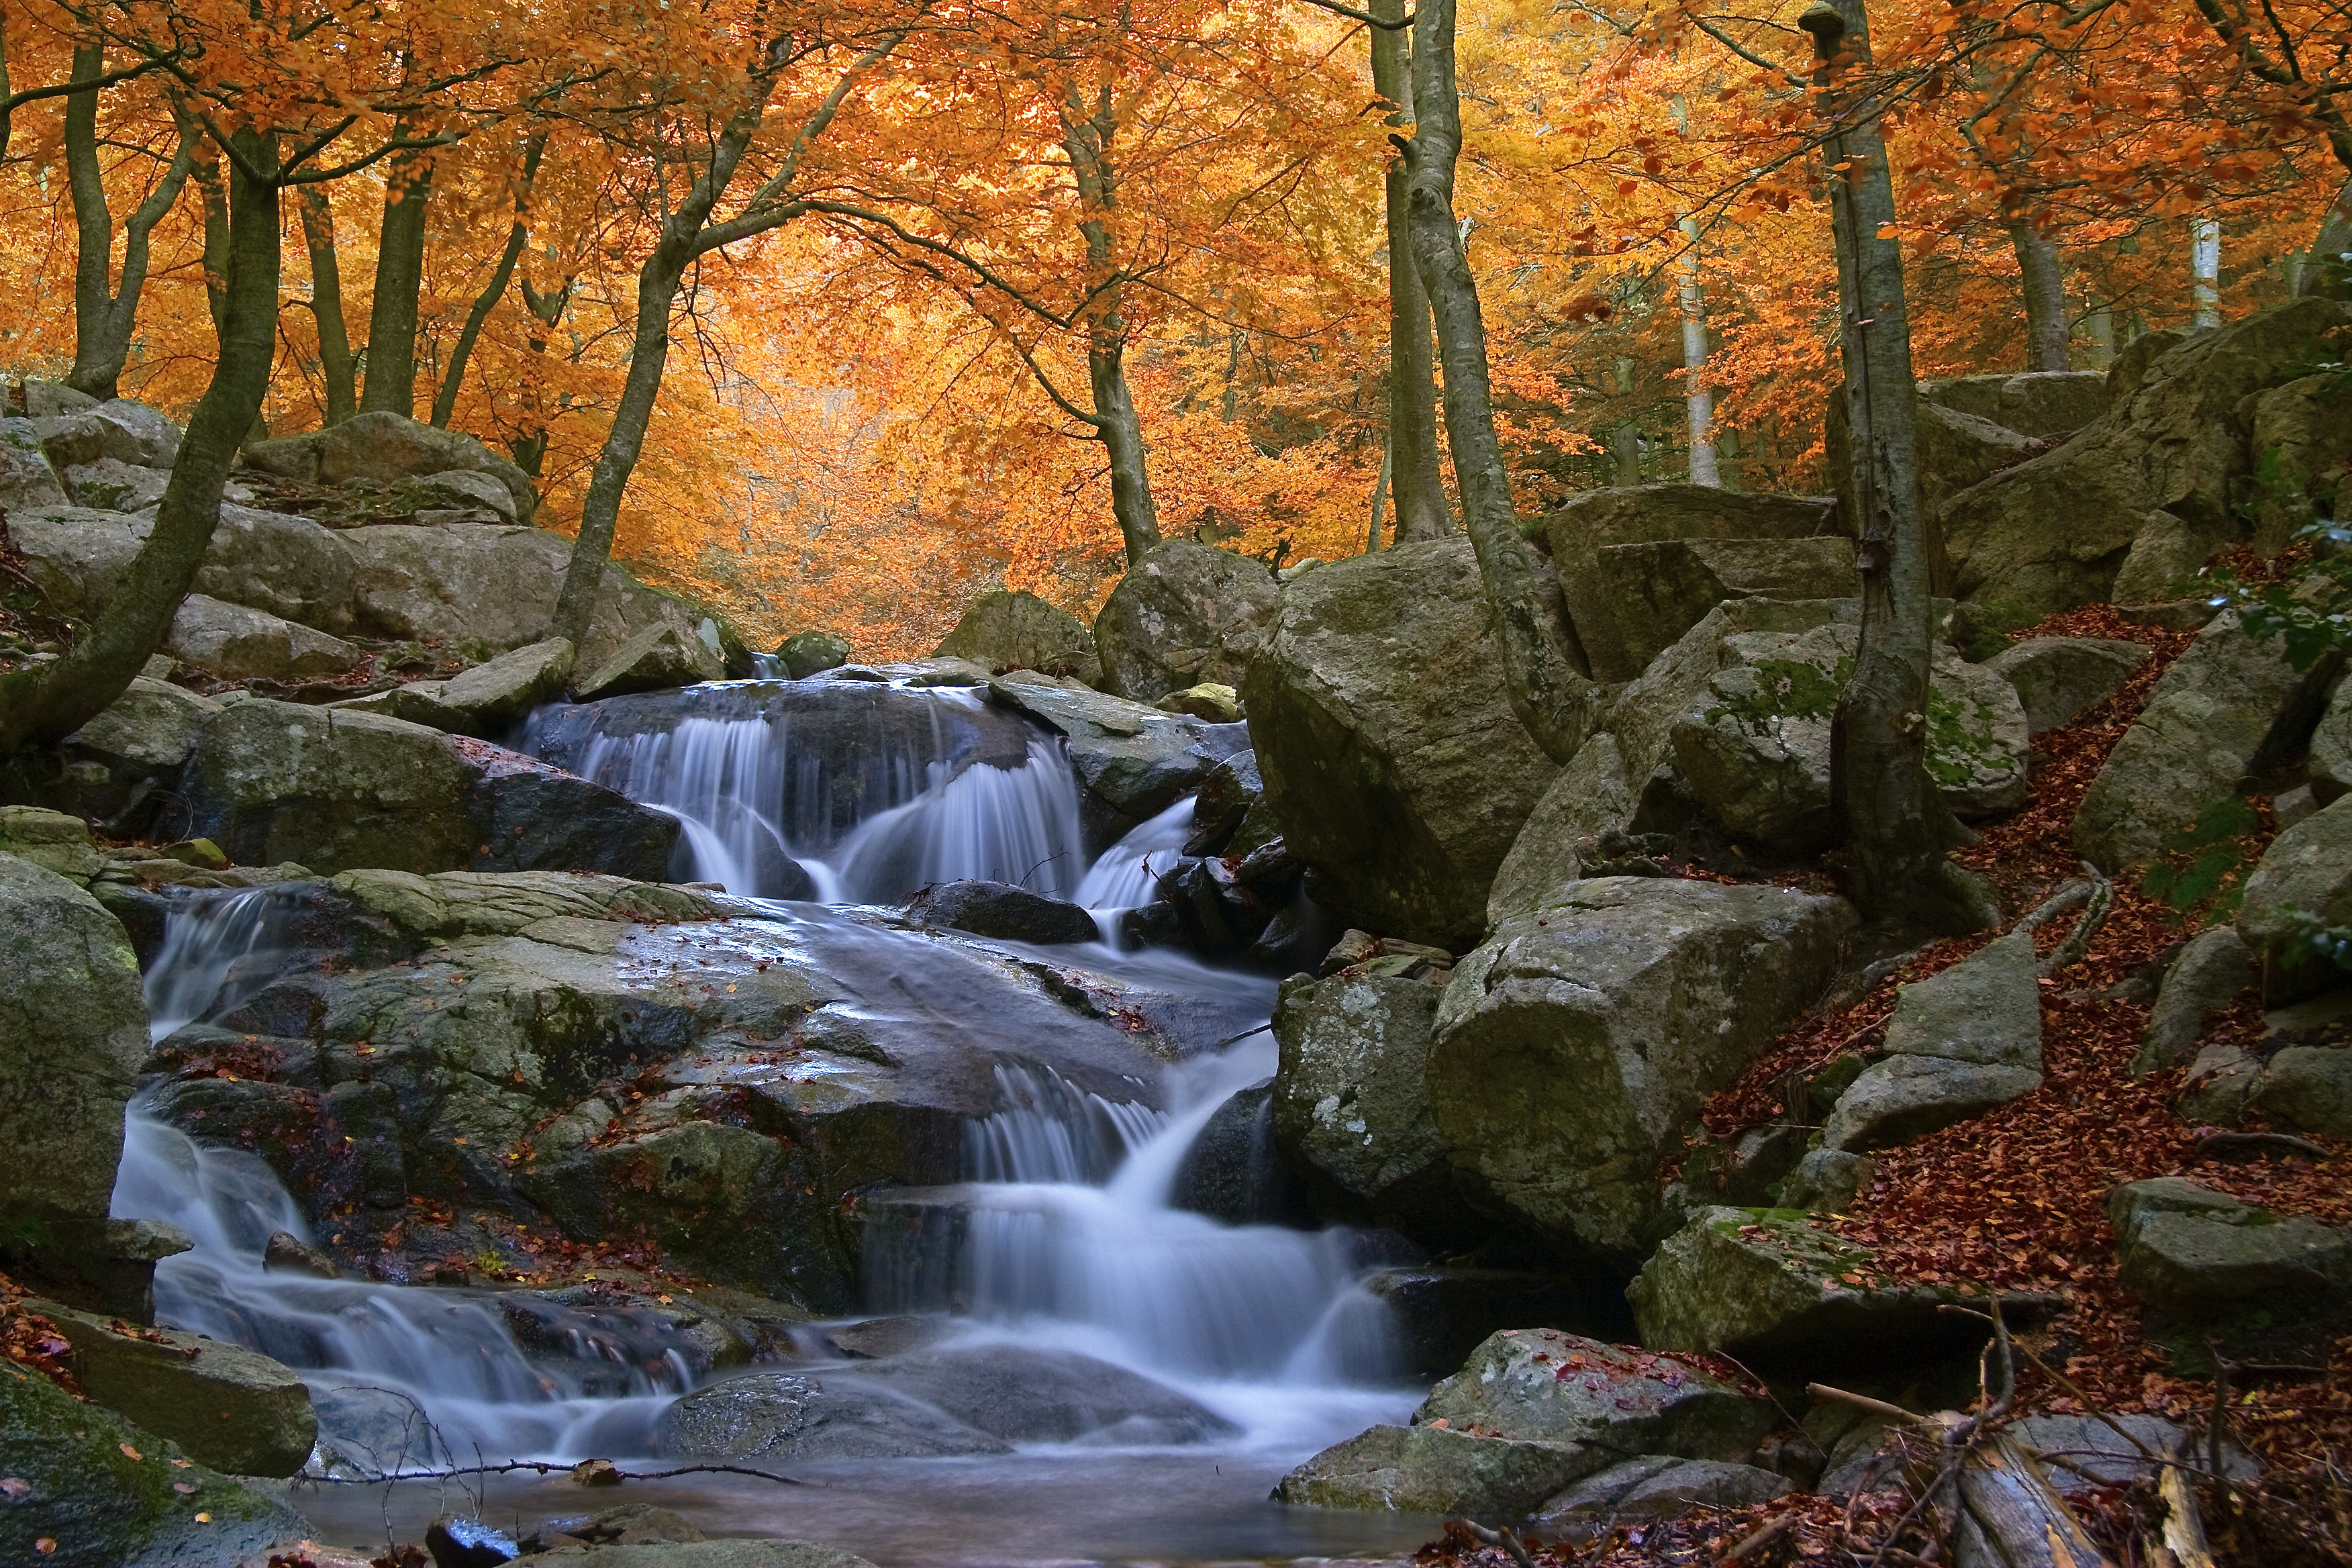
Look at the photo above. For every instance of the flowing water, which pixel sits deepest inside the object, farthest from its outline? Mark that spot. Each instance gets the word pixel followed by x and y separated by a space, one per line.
pixel 1069 1237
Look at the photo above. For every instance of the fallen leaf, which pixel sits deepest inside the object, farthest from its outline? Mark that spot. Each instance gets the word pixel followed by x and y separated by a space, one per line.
pixel 128 1450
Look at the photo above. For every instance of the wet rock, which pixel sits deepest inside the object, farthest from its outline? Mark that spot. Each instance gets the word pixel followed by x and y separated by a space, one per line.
pixel 1231 790
pixel 1001 910
pixel 368 1432
pixel 1755 747
pixel 653 659
pixel 2190 1252
pixel 1766 1286
pixel 1005 631
pixel 812 653
pixel 233 642
pixel 287 1252
pixel 1660 1486
pixel 1590 523
pixel 332 788
pixel 1183 614
pixel 1440 1314
pixel 2057 678
pixel 1661 590
pixel 73 1031
pixel 1574 1047
pixel 2213 971
pixel 1531 1412
pixel 2053 532
pixel 461 1542
pixel 704 1554
pixel 2227 707
pixel 1350 1099
pixel 1135 761
pixel 775 1417
pixel 227 1407
pixel 1234 1174
pixel 1026 1395
pixel 630 1524
pixel 103 1493
pixel 1391 757
pixel 879 1337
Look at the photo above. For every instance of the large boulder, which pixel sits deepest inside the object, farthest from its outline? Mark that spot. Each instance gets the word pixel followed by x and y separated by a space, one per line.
pixel 1591 796
pixel 332 789
pixel 2330 761
pixel 1958 447
pixel 1004 911
pixel 73 1032
pixel 1133 762
pixel 1183 614
pixel 1772 1288
pixel 1386 739
pixel 2035 403
pixel 2213 971
pixel 2057 678
pixel 1005 631
pixel 99 1492
pixel 124 758
pixel 1350 1094
pixel 27 479
pixel 1595 521
pixel 227 1407
pixel 654 658
pixel 486 698
pixel 235 642
pixel 118 428
pixel 76 557
pixel 1662 589
pixel 1755 748
pixel 113 485
pixel 288 565
pixel 2053 533
pixel 2227 707
pixel 778 1417
pixel 812 652
pixel 384 447
pixel 1531 1412
pixel 2302 886
pixel 2309 1087
pixel 2302 446
pixel 1574 1049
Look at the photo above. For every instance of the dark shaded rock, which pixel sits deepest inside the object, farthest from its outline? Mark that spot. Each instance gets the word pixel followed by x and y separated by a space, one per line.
pixel 1004 631
pixel 2213 971
pixel 1134 761
pixel 812 653
pixel 1660 1486
pixel 1183 614
pixel 461 1542
pixel 1441 1315
pixel 1026 1395
pixel 1001 910
pixel 1234 1174
pixel 291 1253
pixel 2057 678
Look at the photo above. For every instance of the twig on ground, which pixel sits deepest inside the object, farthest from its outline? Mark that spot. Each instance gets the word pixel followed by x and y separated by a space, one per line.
pixel 2219 1143
pixel 1757 1539
pixel 1504 1538
pixel 2100 899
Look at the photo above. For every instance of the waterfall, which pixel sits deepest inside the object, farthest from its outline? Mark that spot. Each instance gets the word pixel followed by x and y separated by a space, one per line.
pixel 217 950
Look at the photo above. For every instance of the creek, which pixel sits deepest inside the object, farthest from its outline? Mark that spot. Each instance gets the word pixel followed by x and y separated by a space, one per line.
pixel 808 800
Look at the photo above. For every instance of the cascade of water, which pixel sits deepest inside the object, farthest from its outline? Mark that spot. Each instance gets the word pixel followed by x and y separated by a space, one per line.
pixel 1052 1131
pixel 217 950
pixel 1127 875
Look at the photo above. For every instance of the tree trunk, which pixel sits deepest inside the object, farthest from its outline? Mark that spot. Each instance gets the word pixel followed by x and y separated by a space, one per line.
pixel 528 447
pixel 658 285
pixel 327 306
pixel 212 177
pixel 106 315
pixel 1414 478
pixel 444 401
pixel 2042 277
pixel 1086 139
pixel 42 705
pixel 399 277
pixel 1896 828
pixel 1550 689
pixel 1380 499
pixel 2327 273
pixel 1698 402
pixel 2205 272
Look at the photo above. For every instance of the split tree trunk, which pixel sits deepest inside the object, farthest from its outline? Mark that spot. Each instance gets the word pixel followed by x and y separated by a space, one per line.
pixel 399 279
pixel 1086 139
pixel 444 401
pixel 1896 830
pixel 335 367
pixel 2042 277
pixel 1412 457
pixel 106 315
pixel 1550 689
pixel 41 706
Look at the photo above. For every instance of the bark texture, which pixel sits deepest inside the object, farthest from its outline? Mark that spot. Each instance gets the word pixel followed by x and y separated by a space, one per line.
pixel 44 704
pixel 1413 456
pixel 399 278
pixel 1895 829
pixel 1551 692
pixel 335 367
pixel 1087 140
pixel 106 314
pixel 2041 278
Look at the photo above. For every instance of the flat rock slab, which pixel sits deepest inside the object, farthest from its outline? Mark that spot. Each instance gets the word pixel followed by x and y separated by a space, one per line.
pixel 1907 1097
pixel 2190 1252
pixel 2057 678
pixel 1425 1469
pixel 1661 1486
pixel 234 1409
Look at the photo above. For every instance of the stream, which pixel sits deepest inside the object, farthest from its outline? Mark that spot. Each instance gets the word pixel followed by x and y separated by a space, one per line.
pixel 1070 1240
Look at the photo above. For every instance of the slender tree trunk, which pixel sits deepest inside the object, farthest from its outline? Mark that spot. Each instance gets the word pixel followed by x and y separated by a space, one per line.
pixel 1698 402
pixel 1379 498
pixel 399 278
pixel 2042 277
pixel 444 401
pixel 2205 272
pixel 2327 272
pixel 1896 828
pixel 106 314
pixel 335 367
pixel 1086 139
pixel 1550 685
pixel 529 448
pixel 44 704
pixel 1414 477
pixel 93 228
pixel 212 177
pixel 657 284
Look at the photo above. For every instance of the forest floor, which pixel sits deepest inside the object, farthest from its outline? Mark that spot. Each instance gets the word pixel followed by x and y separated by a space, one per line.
pixel 2016 1200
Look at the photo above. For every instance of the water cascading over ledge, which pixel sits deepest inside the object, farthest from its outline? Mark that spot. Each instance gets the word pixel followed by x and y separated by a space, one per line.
pixel 839 791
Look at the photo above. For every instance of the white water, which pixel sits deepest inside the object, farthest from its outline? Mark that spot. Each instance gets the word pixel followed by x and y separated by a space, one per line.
pixel 1070 1239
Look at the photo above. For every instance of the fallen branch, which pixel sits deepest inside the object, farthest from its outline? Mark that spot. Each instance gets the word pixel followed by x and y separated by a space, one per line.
pixel 2184 1529
pixel 2100 899
pixel 2214 1145
pixel 544 1467
pixel 1895 1413
pixel 1757 1539
pixel 1504 1538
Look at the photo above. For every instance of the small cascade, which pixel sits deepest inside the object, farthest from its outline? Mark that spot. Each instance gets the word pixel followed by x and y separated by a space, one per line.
pixel 1126 876
pixel 1052 1131
pixel 593 1385
pixel 218 949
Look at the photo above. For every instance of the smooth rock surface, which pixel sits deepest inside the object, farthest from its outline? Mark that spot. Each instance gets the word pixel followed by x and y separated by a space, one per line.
pixel 1001 909
pixel 812 652
pixel 1351 1095
pixel 1185 613
pixel 1391 757
pixel 2057 678
pixel 1572 1048
pixel 1005 631
pixel 653 659
pixel 1591 795
pixel 235 642
pixel 2190 1252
